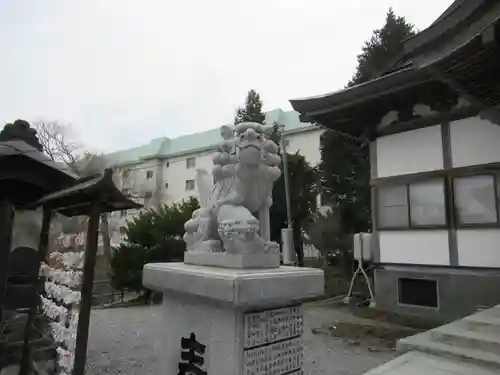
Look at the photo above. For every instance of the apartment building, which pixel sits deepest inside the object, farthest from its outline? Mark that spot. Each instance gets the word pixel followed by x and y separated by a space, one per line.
pixel 164 170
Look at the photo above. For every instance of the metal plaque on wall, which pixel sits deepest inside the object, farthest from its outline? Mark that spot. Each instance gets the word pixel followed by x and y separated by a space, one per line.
pixel 269 326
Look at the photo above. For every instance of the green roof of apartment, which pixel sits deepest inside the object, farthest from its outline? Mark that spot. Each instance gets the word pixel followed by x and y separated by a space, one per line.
pixel 167 147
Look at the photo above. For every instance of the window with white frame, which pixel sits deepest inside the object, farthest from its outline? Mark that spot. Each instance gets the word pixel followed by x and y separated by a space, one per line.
pixel 415 205
pixel 476 199
pixel 190 162
pixel 149 175
pixel 189 185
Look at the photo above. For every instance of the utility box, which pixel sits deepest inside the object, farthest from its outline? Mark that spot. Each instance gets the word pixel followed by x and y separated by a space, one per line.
pixel 363 246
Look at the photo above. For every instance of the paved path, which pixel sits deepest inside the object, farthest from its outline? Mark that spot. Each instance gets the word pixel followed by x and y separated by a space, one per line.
pixel 123 341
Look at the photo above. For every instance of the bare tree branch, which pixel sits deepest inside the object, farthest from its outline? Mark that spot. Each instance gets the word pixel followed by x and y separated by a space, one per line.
pixel 55 139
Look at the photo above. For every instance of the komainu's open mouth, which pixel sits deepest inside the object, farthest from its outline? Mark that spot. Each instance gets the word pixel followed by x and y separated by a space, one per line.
pixel 249 154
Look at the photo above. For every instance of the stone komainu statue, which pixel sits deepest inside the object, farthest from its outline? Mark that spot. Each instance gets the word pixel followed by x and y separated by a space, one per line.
pixel 234 215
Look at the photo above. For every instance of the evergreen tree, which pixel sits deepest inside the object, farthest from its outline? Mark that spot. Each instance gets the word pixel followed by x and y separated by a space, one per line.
pixel 252 111
pixel 384 46
pixel 152 236
pixel 345 160
pixel 345 178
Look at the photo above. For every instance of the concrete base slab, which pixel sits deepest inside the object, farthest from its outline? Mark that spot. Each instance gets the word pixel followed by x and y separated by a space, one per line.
pixel 465 336
pixel 474 339
pixel 415 363
pixel 239 261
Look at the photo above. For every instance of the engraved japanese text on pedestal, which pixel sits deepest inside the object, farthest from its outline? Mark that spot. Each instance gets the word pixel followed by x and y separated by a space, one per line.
pixel 272 325
pixel 272 342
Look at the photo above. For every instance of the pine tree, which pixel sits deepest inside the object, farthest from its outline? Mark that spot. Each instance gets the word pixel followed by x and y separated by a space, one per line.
pixel 252 111
pixel 345 160
pixel 152 236
pixel 384 46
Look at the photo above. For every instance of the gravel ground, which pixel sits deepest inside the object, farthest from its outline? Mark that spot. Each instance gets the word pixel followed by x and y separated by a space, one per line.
pixel 124 341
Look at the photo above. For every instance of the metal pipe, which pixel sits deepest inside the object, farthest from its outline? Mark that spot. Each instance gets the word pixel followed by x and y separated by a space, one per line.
pixel 287 186
pixel 287 234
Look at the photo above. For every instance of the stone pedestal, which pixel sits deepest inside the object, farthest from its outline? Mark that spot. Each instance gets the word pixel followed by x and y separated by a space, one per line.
pixel 249 320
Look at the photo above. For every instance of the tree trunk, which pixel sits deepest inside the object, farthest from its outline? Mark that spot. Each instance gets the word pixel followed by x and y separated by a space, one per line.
pixel 299 245
pixel 325 260
pixel 147 296
pixel 299 249
pixel 106 240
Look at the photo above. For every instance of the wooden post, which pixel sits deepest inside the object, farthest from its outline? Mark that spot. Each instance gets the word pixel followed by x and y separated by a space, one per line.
pixel 6 223
pixel 28 330
pixel 87 288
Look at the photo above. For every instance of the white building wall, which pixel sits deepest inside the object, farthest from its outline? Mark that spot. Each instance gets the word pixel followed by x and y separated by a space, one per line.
pixel 479 247
pixel 474 141
pixel 410 152
pixel 307 143
pixel 415 151
pixel 137 181
pixel 168 183
pixel 177 174
pixel 414 247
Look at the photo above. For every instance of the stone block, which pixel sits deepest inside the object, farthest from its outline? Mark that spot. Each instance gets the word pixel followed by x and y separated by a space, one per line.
pixel 249 321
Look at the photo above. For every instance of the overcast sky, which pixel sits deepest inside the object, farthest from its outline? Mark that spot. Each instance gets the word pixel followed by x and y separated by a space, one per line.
pixel 122 72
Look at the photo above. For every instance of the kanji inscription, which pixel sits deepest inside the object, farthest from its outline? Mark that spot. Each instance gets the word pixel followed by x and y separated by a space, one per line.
pixel 272 325
pixel 280 358
pixel 192 356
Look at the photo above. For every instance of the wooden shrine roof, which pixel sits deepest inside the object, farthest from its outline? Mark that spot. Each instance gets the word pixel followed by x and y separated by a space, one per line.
pixel 26 173
pixel 77 199
pixel 459 16
pixel 21 148
pixel 456 56
pixel 318 105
